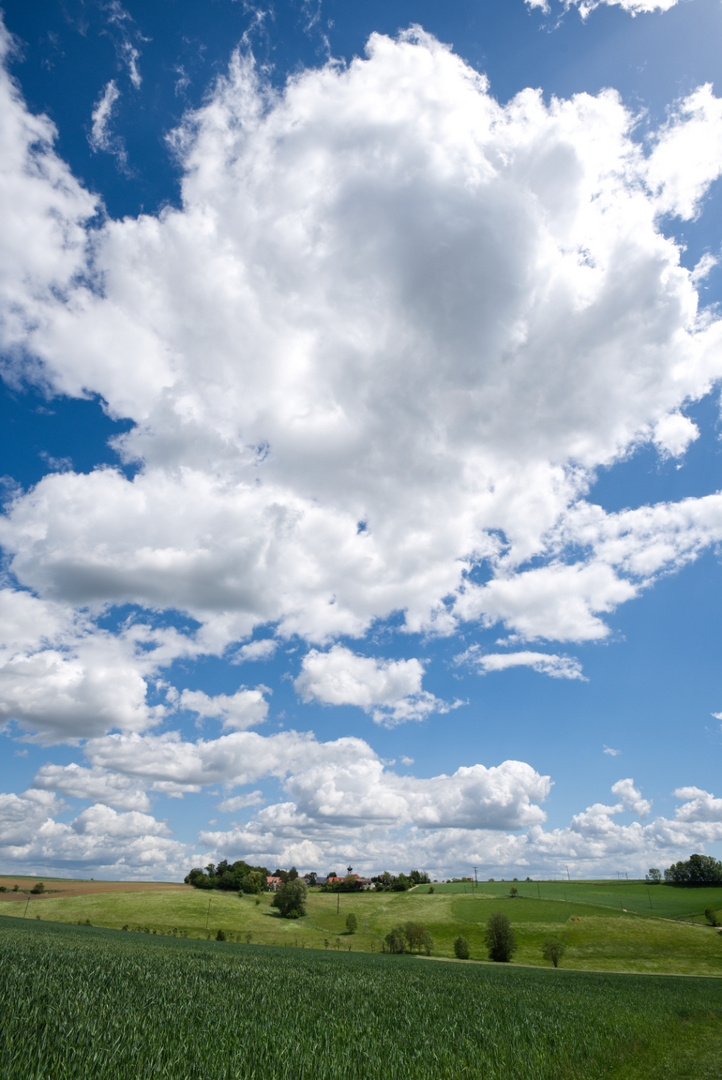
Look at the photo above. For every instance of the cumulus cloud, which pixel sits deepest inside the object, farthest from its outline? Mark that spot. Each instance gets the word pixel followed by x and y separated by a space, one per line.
pixel 468 306
pixel 558 667
pixel 612 753
pixel 263 649
pixel 241 710
pixel 99 785
pixel 631 798
pixel 389 690
pixel 123 845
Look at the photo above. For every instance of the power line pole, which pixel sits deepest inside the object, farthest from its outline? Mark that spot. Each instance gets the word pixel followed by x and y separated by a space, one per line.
pixel 475 881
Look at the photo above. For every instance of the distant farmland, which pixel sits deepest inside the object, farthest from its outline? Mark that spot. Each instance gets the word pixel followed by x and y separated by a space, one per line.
pixel 605 926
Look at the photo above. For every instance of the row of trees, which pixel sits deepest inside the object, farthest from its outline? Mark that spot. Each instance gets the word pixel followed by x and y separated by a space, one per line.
pixel 697 870
pixel 239 876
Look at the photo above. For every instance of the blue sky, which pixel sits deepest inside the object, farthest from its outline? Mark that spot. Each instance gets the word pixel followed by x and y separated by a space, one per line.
pixel 360 379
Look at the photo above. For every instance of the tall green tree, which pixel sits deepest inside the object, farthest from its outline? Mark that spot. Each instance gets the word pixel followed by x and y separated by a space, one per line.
pixel 499 937
pixel 291 899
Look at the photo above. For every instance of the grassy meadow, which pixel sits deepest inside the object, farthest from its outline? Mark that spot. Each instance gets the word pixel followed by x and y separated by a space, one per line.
pixel 82 1003
pixel 598 922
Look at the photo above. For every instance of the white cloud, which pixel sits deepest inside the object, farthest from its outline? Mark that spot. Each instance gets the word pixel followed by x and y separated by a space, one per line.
pixel 472 308
pixel 701 806
pixel 239 802
pixel 558 667
pixel 128 845
pixel 611 752
pixel 60 695
pixel 100 137
pixel 634 7
pixel 631 798
pixel 389 690
pixel 239 711
pixel 687 154
pixel 100 785
pixel 263 649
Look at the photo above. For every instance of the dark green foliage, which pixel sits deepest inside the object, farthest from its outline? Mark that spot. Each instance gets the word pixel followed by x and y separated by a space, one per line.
pixel 553 951
pixel 499 937
pixel 230 877
pixel 513 891
pixel 418 938
pixel 79 1003
pixel 39 888
pixel 711 916
pixel 654 876
pixel 697 870
pixel 395 940
pixel 411 937
pixel 221 935
pixel 291 899
pixel 351 923
pixel 461 948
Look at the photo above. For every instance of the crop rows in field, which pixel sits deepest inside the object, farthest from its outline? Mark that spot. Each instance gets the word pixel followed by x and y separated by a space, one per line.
pixel 79 1003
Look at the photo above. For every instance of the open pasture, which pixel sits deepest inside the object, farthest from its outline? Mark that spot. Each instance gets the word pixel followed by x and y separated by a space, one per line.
pixel 597 937
pixel 80 1003
pixel 668 901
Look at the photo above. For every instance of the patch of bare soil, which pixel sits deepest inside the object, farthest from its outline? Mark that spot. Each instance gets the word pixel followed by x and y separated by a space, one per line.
pixel 62 887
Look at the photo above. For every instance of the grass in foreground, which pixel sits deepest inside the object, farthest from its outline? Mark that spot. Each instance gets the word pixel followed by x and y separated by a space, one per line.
pixel 80 1003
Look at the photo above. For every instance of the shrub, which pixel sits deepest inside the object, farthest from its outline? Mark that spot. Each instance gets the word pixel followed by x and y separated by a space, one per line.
pixel 553 951
pixel 461 948
pixel 513 891
pixel 221 935
pixel 39 888
pixel 499 937
pixel 711 916
pixel 351 923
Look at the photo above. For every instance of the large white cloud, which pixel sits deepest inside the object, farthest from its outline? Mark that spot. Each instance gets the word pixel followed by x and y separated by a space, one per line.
pixel 422 318
pixel 116 845
pixel 390 690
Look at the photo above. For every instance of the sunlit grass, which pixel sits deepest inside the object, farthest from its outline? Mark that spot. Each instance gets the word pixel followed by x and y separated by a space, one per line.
pixel 78 1003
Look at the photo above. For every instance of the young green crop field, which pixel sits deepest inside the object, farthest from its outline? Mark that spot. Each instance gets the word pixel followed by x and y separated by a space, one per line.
pixel 597 921
pixel 81 1003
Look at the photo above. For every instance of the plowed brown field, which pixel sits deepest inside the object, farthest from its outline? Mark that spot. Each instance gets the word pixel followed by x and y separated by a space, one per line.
pixel 61 887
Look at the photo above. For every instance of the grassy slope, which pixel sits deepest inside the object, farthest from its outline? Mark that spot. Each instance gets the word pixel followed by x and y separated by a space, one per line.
pixel 600 937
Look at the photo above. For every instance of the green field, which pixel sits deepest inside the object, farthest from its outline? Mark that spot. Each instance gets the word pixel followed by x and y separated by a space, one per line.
pixel 597 921
pixel 80 1003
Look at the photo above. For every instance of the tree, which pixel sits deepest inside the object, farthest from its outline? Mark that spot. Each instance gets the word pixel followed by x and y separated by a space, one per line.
pixel 553 951
pixel 697 870
pixel 711 916
pixel 351 923
pixel 654 876
pixel 291 899
pixel 513 891
pixel 39 888
pixel 396 940
pixel 418 937
pixel 461 948
pixel 499 937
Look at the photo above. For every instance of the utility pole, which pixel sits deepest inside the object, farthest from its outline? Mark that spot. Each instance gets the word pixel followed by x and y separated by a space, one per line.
pixel 475 881
pixel 208 913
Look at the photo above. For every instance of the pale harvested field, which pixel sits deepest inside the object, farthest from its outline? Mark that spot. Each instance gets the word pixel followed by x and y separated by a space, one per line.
pixel 59 888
